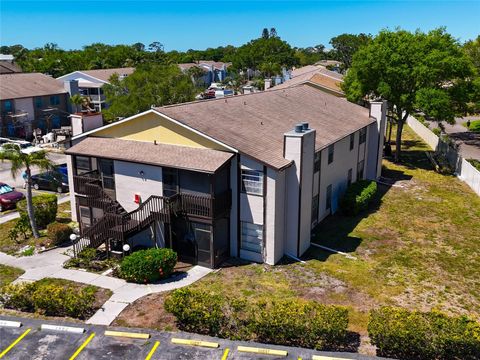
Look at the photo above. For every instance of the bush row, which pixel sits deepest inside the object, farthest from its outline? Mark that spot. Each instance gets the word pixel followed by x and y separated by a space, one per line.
pixel 48 298
pixel 403 334
pixel 300 323
pixel 358 196
pixel 45 209
pixel 145 266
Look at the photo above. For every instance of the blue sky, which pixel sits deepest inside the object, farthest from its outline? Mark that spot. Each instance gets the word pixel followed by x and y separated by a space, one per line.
pixel 182 25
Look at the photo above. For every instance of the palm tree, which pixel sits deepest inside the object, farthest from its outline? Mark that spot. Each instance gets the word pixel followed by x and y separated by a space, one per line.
pixel 19 160
pixel 76 100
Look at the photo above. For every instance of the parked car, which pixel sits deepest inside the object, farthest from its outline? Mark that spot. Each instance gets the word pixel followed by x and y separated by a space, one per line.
pixel 51 180
pixel 9 197
pixel 25 146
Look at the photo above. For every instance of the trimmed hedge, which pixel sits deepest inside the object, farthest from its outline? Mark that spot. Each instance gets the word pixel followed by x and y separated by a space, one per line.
pixel 48 298
pixel 404 334
pixel 145 266
pixel 45 209
pixel 284 322
pixel 358 196
pixel 58 233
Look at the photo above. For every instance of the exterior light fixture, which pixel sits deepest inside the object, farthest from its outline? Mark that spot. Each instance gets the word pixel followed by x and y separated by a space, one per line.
pixel 73 237
pixel 126 247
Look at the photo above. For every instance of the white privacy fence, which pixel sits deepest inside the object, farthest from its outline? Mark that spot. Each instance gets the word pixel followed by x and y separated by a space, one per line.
pixel 464 170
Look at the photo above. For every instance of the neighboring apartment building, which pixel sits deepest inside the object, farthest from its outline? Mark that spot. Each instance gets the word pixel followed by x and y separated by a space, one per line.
pixel 316 76
pixel 90 83
pixel 226 177
pixel 8 65
pixel 30 101
pixel 214 71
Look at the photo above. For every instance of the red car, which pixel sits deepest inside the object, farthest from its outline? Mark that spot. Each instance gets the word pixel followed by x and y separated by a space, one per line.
pixel 8 197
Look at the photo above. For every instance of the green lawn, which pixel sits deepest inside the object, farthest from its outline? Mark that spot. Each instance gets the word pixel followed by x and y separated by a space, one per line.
pixel 9 274
pixel 418 247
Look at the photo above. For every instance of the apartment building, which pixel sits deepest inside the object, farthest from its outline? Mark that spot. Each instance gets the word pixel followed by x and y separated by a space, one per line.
pixel 29 101
pixel 90 83
pixel 248 176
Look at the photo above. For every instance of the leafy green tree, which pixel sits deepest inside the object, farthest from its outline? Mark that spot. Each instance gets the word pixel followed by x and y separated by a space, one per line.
pixel 20 160
pixel 196 73
pixel 412 71
pixel 261 51
pixel 345 45
pixel 150 85
pixel 76 100
pixel 472 49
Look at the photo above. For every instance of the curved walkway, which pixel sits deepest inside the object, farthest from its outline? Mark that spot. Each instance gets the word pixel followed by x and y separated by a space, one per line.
pixel 49 264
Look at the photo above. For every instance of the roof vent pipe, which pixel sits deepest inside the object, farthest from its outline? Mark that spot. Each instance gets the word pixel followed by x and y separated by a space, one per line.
pixel 305 126
pixel 299 128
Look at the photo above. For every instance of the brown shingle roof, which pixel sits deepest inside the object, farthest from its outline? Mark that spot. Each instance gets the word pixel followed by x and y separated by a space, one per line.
pixel 22 85
pixel 314 75
pixel 255 123
pixel 180 157
pixel 7 67
pixel 105 74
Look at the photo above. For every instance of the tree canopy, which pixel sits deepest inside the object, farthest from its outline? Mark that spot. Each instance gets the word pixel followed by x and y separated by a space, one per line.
pixel 413 71
pixel 345 45
pixel 149 85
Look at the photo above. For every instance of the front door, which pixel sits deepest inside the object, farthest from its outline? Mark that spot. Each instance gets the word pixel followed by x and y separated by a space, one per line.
pixel 203 239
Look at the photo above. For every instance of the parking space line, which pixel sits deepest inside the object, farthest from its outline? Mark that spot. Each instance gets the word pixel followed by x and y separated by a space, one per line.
pixel 263 351
pixel 154 348
pixel 85 343
pixel 127 334
pixel 4 352
pixel 225 354
pixel 320 357
pixel 195 343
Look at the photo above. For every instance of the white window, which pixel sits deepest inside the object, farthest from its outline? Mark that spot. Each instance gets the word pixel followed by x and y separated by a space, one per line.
pixel 252 181
pixel 251 237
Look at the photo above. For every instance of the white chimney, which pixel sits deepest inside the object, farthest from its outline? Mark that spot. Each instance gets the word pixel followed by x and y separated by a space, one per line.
pixel 299 146
pixel 378 110
pixel 268 84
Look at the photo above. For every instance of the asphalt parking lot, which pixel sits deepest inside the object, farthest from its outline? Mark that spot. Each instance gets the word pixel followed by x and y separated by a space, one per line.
pixel 30 341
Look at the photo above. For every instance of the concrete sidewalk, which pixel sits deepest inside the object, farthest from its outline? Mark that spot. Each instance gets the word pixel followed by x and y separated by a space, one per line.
pixel 49 265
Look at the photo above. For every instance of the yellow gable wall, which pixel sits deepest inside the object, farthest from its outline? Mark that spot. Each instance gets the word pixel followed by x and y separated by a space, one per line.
pixel 151 126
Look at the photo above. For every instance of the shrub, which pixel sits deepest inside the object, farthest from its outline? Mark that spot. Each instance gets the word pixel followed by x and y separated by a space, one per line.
pixel 299 323
pixel 474 126
pixel 22 227
pixel 437 131
pixel 50 298
pixel 149 265
pixel 197 311
pixel 58 232
pixel 404 334
pixel 45 209
pixel 358 196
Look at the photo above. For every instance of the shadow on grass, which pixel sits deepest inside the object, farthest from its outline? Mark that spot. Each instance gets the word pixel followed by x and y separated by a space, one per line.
pixel 334 231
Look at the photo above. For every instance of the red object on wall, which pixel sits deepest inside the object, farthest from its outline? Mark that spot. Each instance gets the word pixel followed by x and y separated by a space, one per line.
pixel 137 199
